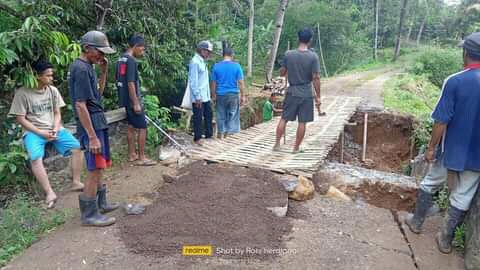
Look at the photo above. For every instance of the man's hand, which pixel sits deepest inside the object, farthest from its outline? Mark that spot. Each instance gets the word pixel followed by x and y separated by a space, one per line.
pixel 94 145
pixel 103 64
pixel 198 103
pixel 317 101
pixel 48 135
pixel 137 108
pixel 243 100
pixel 430 155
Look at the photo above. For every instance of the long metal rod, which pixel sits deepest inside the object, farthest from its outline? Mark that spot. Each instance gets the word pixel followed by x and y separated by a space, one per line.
pixel 166 134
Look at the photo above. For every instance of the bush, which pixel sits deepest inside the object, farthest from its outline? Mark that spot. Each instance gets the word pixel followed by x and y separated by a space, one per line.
pixel 437 64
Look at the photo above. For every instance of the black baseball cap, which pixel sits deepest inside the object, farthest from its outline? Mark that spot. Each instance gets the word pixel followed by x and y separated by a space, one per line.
pixel 136 40
pixel 41 65
pixel 472 44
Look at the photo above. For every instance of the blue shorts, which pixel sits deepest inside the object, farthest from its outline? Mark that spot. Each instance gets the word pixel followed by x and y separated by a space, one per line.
pixel 97 161
pixel 136 120
pixel 35 144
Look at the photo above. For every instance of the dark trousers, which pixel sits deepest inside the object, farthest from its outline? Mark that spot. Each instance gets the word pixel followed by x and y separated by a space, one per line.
pixel 199 114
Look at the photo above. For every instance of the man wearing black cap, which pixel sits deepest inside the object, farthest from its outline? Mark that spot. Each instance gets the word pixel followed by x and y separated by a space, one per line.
pixel 38 111
pixel 130 97
pixel 457 129
pixel 92 127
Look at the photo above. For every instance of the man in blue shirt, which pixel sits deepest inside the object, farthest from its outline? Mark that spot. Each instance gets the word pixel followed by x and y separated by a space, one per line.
pixel 227 83
pixel 457 118
pixel 200 91
pixel 92 126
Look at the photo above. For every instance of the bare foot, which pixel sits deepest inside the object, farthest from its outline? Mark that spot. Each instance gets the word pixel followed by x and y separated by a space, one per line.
pixel 77 186
pixel 199 142
pixel 133 157
pixel 276 147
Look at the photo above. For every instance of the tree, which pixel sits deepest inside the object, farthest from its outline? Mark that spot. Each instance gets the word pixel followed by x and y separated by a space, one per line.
pixel 400 28
pixel 251 25
pixel 375 46
pixel 276 39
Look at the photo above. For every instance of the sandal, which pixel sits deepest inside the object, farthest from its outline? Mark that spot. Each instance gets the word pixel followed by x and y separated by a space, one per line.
pixel 145 162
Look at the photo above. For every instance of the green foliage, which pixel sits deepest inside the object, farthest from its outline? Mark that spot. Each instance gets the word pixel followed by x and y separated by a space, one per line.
pixel 12 167
pixel 22 223
pixel 411 94
pixel 459 238
pixel 437 64
pixel 161 115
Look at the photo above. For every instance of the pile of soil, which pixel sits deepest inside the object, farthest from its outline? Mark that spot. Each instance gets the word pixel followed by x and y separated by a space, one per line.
pixel 388 142
pixel 217 205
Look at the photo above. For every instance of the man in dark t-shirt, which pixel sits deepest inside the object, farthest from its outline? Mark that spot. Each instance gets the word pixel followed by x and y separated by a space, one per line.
pixel 130 97
pixel 92 127
pixel 302 67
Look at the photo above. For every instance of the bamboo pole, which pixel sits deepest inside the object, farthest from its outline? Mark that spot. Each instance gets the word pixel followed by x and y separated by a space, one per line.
pixel 365 127
pixel 321 52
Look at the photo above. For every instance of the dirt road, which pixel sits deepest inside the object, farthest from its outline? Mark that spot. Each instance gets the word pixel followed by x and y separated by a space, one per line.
pixel 325 234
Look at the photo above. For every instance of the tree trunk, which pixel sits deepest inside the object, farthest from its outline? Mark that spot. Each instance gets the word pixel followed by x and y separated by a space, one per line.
pixel 472 235
pixel 102 7
pixel 420 32
pixel 409 33
pixel 276 39
pixel 375 45
pixel 400 28
pixel 250 38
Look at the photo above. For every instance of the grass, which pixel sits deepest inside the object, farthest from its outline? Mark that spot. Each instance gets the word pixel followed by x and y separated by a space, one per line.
pixel 22 223
pixel 411 94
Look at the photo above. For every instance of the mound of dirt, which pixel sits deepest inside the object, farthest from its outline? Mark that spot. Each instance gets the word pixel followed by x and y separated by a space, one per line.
pixel 217 205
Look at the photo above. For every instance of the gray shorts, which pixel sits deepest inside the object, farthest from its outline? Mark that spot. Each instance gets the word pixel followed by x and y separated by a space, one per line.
pixel 298 106
pixel 465 184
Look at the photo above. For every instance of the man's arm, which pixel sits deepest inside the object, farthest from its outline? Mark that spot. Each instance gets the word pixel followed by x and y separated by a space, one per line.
pixel 84 117
pixel 103 76
pixel 57 116
pixel 283 72
pixel 132 93
pixel 213 89
pixel 241 86
pixel 316 85
pixel 437 132
pixel 27 125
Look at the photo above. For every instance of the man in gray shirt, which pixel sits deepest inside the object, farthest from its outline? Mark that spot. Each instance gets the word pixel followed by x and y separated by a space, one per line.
pixel 302 67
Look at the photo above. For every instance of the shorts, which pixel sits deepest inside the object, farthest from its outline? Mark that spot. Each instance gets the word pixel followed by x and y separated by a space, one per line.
pixel 35 144
pixel 97 161
pixel 294 106
pixel 136 120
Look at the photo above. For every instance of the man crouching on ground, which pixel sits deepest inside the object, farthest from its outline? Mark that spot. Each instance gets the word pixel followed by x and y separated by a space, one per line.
pixel 92 127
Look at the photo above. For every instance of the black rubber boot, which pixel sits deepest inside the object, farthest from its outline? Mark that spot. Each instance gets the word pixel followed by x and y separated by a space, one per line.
pixel 445 236
pixel 424 202
pixel 103 205
pixel 90 215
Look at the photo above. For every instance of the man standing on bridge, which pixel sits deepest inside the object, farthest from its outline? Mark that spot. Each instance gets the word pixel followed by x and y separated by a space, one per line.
pixel 456 127
pixel 301 66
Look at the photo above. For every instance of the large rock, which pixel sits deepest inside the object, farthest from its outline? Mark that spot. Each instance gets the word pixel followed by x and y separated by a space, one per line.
pixel 472 235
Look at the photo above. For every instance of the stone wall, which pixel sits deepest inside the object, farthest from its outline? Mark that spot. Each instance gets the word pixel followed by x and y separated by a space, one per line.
pixel 472 235
pixel 58 167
